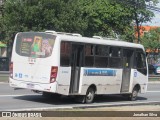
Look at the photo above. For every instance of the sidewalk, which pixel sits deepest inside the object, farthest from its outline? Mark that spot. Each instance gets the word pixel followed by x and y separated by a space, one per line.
pixel 151 109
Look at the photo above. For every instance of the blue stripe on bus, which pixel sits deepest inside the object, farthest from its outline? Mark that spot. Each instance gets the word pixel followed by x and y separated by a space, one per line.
pixel 99 72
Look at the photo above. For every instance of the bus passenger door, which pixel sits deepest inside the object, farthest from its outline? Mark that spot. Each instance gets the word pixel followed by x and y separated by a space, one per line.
pixel 76 64
pixel 128 59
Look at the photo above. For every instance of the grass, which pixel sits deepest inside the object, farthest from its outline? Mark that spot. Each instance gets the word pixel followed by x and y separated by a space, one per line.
pixel 4 78
pixel 154 79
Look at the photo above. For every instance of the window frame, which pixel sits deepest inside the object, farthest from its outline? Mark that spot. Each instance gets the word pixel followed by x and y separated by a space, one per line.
pixel 101 56
pixel 69 55
pixel 142 69
pixel 93 55
pixel 118 57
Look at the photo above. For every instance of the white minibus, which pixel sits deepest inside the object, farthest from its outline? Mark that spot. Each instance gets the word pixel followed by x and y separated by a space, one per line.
pixel 72 65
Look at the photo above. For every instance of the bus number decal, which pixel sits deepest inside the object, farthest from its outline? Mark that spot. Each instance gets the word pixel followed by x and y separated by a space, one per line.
pixel 99 72
pixel 18 75
pixel 135 74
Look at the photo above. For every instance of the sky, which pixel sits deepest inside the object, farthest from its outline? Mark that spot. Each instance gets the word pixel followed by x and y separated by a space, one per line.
pixel 156 19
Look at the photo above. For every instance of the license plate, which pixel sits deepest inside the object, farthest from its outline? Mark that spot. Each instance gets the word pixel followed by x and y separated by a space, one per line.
pixel 30 86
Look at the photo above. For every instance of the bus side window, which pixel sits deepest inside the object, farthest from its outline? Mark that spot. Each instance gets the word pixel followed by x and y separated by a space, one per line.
pixel 141 63
pixel 128 58
pixel 89 55
pixel 101 56
pixel 101 50
pixel 115 57
pixel 65 53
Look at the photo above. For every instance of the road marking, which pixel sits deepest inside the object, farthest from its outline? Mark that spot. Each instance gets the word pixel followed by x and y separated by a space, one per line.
pixel 4 83
pixel 18 95
pixel 41 108
pixel 153 91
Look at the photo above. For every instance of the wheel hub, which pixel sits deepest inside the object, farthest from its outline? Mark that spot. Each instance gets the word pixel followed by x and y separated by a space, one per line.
pixel 89 96
pixel 134 93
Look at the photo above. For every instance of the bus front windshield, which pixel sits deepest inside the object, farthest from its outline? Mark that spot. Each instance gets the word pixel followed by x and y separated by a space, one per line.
pixel 32 44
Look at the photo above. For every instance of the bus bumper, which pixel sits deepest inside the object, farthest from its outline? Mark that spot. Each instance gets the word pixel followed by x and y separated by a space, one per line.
pixel 47 87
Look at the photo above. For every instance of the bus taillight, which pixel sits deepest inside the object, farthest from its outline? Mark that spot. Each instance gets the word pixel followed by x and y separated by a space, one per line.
pixel 53 76
pixel 11 69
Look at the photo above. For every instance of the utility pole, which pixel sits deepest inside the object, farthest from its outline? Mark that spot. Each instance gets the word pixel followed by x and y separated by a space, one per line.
pixel 137 6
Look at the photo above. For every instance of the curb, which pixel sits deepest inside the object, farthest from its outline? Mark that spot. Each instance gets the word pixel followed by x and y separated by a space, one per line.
pixel 85 106
pixel 118 104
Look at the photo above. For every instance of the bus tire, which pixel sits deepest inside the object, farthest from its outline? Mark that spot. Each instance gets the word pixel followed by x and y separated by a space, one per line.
pixel 134 94
pixel 89 95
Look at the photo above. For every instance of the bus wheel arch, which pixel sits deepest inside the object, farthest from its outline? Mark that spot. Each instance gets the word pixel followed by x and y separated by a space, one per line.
pixel 134 94
pixel 90 94
pixel 137 86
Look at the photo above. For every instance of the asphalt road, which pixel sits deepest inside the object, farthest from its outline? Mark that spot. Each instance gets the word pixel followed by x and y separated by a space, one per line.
pixel 11 100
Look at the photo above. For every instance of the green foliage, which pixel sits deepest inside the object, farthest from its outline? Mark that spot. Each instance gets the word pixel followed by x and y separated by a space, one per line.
pixel 138 9
pixel 87 17
pixel 128 34
pixel 106 18
pixel 40 15
pixel 140 14
pixel 151 40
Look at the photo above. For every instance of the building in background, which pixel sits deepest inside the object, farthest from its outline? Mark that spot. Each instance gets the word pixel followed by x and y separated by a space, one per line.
pixel 145 28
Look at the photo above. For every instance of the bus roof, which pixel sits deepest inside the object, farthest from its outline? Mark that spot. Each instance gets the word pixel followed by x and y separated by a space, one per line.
pixel 92 40
pixel 104 41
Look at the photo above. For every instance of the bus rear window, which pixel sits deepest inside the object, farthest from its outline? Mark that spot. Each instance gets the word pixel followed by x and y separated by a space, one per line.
pixel 39 45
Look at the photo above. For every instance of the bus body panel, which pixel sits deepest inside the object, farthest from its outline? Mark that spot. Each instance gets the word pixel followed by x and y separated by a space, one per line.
pixel 51 87
pixel 140 79
pixel 137 78
pixel 63 80
pixel 34 73
pixel 107 80
pixel 32 69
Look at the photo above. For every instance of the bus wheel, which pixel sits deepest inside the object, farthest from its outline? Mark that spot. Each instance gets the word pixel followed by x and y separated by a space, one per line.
pixel 134 94
pixel 90 95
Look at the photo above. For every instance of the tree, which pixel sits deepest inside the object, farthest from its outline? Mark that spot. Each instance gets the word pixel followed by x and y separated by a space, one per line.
pixel 106 18
pixel 39 15
pixel 1 15
pixel 88 17
pixel 151 41
pixel 140 13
